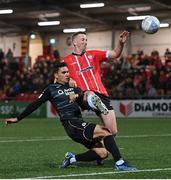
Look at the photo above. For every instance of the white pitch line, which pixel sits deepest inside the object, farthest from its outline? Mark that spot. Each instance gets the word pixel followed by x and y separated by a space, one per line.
pixel 101 173
pixel 144 136
pixel 36 137
pixel 62 138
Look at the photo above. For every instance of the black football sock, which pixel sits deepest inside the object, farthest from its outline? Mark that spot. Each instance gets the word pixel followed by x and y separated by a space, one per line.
pixel 87 156
pixel 111 146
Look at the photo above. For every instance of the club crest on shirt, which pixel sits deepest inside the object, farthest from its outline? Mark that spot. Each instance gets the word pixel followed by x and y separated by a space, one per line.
pixel 84 124
pixel 90 57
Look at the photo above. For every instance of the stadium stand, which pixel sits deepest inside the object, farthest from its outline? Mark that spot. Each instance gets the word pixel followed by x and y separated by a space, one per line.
pixel 134 76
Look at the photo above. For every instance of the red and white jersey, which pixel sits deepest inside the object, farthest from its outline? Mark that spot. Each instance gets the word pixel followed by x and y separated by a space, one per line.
pixel 85 70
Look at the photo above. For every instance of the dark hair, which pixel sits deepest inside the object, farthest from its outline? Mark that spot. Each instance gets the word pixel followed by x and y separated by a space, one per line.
pixel 77 33
pixel 59 65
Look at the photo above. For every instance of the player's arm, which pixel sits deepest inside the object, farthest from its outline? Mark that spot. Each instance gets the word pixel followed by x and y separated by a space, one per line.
pixel 116 52
pixel 77 96
pixel 73 97
pixel 82 95
pixel 30 108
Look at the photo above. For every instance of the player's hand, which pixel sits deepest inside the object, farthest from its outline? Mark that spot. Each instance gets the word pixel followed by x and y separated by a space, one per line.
pixel 72 83
pixel 123 37
pixel 73 97
pixel 11 120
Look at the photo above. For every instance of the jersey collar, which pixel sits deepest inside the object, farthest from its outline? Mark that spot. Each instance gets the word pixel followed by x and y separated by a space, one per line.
pixel 73 53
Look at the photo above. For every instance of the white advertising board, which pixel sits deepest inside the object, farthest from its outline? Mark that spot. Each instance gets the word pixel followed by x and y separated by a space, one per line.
pixel 142 108
pixel 130 108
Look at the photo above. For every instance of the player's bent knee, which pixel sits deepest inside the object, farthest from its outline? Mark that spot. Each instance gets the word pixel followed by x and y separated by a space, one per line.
pixel 101 132
pixel 106 132
pixel 114 132
pixel 102 152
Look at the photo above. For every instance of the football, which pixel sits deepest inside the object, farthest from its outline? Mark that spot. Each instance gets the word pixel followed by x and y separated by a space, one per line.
pixel 150 24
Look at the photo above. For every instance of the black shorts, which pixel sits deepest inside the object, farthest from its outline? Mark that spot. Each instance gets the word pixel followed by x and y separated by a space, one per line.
pixel 105 100
pixel 80 131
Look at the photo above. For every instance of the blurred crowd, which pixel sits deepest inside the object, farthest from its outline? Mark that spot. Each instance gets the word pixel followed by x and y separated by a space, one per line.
pixel 17 77
pixel 139 76
pixel 135 76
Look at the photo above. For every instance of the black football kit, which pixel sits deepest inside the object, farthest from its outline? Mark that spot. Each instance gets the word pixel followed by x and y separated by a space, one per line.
pixel 69 112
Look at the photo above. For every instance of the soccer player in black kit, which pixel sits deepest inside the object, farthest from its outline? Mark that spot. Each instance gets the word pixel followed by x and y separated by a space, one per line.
pixel 67 101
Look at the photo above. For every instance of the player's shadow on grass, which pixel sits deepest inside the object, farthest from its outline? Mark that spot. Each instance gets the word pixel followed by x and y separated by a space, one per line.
pixel 107 163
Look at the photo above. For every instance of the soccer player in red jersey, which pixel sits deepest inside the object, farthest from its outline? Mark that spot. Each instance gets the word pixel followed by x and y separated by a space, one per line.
pixel 84 69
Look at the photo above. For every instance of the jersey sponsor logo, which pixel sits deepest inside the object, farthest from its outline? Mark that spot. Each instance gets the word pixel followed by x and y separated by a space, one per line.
pixel 73 63
pixel 86 69
pixel 60 92
pixel 66 91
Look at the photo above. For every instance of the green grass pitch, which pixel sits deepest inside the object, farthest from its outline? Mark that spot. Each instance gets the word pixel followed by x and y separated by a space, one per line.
pixel 34 148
